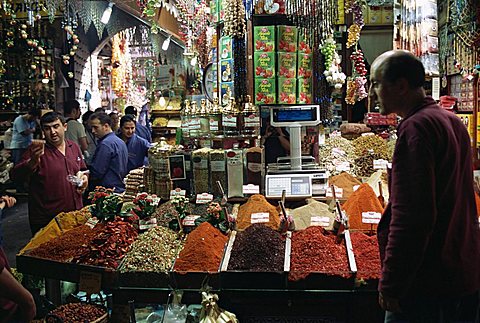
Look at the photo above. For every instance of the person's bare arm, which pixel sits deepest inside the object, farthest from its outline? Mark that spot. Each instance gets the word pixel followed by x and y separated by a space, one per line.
pixel 12 290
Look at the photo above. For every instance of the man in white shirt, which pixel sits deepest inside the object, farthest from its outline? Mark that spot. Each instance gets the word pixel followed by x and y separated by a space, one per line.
pixel 23 130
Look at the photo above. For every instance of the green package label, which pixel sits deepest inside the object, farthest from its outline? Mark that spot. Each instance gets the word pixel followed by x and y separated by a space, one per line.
pixel 214 10
pixel 304 65
pixel 221 10
pixel 264 38
pixel 226 70
pixel 303 44
pixel 287 90
pixel 287 38
pixel 226 47
pixel 265 91
pixel 264 64
pixel 304 91
pixel 287 65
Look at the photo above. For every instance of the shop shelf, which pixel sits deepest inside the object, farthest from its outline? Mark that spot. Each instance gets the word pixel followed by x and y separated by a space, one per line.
pixel 165 112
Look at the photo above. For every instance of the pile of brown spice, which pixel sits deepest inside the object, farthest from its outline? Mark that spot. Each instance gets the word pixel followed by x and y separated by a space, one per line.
pixel 315 250
pixel 65 247
pixel 203 250
pixel 361 201
pixel 346 182
pixel 257 204
pixel 367 255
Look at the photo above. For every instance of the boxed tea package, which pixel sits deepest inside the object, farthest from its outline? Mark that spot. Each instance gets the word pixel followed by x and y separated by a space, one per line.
pixel 287 38
pixel 304 91
pixel 226 45
pixel 227 91
pixel 265 91
pixel 264 38
pixel 303 43
pixel 264 64
pixel 304 65
pixel 287 90
pixel 287 65
pixel 214 10
pixel 226 71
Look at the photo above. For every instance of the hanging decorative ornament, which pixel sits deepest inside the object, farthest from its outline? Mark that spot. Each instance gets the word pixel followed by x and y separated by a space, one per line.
pixel 234 21
pixel 353 35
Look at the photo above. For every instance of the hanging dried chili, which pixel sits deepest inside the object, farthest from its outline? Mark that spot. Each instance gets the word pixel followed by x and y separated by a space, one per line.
pixel 315 250
pixel 367 255
pixel 203 250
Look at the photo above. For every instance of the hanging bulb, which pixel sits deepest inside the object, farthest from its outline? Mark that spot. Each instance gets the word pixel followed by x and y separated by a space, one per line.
pixel 107 13
pixel 166 43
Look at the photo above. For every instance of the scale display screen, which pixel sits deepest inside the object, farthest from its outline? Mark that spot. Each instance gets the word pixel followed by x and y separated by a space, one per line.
pixel 295 185
pixel 307 115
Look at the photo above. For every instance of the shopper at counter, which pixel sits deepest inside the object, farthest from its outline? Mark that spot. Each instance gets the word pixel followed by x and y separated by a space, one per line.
pixel 91 140
pixel 141 130
pixel 109 164
pixel 23 130
pixel 47 167
pixel 429 234
pixel 137 146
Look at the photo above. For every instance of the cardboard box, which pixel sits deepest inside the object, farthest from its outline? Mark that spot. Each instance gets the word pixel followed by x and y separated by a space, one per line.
pixel 305 65
pixel 375 15
pixel 287 65
pixel 226 70
pixel 287 90
pixel 264 65
pixel 304 92
pixel 287 38
pixel 264 38
pixel 226 91
pixel 214 10
pixel 221 10
pixel 265 91
pixel 226 45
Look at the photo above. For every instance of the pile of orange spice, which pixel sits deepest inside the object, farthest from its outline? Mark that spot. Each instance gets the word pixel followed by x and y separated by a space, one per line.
pixel 362 200
pixel 257 204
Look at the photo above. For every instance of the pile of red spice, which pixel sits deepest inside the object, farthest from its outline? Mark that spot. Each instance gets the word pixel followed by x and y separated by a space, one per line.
pixel 314 251
pixel 203 250
pixel 65 247
pixel 109 246
pixel 367 256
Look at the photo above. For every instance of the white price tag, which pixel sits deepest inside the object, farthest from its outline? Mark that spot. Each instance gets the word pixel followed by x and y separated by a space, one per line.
pixel 92 222
pixel 356 187
pixel 217 165
pixel 177 192
pixel 260 218
pixel 343 167
pixel 189 220
pixel 145 225
pixel 195 124
pixel 380 164
pixel 371 217
pixel 229 121
pixel 367 134
pixel 337 152
pixel 338 192
pixel 204 198
pixel 251 189
pixel 213 125
pixel 320 221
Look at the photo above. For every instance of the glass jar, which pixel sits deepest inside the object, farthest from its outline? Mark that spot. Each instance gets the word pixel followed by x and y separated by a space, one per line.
pixel 251 119
pixel 185 117
pixel 204 131
pixel 230 119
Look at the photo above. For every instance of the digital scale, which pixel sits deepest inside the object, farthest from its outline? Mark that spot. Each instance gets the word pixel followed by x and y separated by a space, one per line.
pixel 300 176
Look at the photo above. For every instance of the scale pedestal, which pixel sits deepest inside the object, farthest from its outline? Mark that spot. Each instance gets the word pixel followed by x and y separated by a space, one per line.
pixel 300 176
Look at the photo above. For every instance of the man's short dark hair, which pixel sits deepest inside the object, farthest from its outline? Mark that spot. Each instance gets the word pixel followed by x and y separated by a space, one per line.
pixel 86 116
pixel 405 65
pixel 69 106
pixel 127 118
pixel 50 117
pixel 102 117
pixel 100 109
pixel 34 111
pixel 131 110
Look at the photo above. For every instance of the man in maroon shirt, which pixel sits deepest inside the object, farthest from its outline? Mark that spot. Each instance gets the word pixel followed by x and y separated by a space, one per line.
pixel 47 168
pixel 429 234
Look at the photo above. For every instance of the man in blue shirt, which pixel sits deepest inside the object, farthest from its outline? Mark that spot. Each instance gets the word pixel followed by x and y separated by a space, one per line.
pixel 22 134
pixel 136 145
pixel 140 129
pixel 109 164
